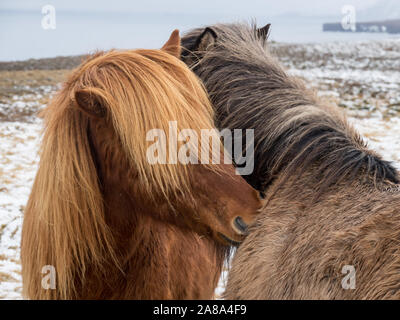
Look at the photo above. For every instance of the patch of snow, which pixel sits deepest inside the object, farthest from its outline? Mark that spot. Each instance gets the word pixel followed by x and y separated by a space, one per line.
pixel 18 164
pixel 382 136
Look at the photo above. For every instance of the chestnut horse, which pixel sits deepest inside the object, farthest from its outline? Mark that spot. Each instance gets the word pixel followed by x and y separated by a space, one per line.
pixel 110 223
pixel 330 225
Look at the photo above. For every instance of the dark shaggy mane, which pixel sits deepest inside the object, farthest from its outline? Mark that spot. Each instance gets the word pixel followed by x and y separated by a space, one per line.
pixel 293 129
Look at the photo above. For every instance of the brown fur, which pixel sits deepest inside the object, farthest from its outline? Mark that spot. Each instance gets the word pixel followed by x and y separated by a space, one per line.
pixel 113 225
pixel 297 248
pixel 330 201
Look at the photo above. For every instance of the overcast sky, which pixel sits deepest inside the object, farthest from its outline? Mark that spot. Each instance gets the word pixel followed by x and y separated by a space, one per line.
pixel 218 7
pixel 87 25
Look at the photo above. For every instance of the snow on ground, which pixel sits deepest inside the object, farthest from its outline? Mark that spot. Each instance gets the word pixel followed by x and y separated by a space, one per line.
pixel 18 163
pixel 382 136
pixel 362 77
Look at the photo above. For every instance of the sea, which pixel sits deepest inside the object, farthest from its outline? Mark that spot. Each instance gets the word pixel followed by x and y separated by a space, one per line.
pixel 22 35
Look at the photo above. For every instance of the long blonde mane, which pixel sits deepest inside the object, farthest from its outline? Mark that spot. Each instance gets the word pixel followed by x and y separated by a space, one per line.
pixel 64 223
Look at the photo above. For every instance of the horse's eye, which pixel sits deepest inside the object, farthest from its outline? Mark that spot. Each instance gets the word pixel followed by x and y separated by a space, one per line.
pixel 262 195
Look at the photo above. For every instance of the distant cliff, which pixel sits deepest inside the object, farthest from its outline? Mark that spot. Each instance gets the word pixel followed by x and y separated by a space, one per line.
pixel 388 26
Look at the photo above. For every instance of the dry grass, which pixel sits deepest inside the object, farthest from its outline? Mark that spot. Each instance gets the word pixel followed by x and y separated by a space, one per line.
pixel 28 82
pixel 5 277
pixel 23 93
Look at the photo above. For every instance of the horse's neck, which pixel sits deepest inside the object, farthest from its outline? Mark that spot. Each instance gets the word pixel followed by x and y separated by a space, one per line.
pixel 303 190
pixel 121 195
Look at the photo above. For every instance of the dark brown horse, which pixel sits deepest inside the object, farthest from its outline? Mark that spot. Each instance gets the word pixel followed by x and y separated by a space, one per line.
pixel 112 223
pixel 330 226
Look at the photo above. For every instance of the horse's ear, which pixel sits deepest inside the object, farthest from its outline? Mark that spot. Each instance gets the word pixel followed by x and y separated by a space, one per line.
pixel 173 45
pixel 263 32
pixel 207 38
pixel 91 102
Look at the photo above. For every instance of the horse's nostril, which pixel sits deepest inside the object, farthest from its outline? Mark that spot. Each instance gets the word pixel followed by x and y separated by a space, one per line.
pixel 240 224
